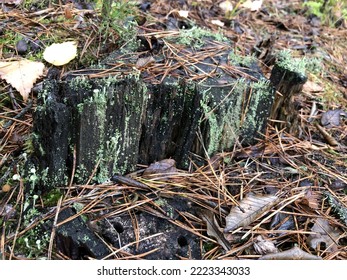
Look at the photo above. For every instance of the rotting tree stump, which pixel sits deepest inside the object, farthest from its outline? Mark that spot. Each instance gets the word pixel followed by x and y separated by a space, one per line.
pixel 288 77
pixel 101 124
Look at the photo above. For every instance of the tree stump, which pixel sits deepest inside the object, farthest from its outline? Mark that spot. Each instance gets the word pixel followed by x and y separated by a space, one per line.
pixel 288 77
pixel 103 122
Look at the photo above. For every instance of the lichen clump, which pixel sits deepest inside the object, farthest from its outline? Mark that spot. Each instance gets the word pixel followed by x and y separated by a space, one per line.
pixel 196 37
pixel 286 61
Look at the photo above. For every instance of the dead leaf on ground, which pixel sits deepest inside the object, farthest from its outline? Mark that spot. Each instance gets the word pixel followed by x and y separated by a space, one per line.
pixel 164 166
pixel 143 62
pixel 291 254
pixel 253 206
pixel 253 5
pixel 21 74
pixel 264 246
pixel 332 117
pixel 312 87
pixel 311 199
pixel 324 233
pixel 213 229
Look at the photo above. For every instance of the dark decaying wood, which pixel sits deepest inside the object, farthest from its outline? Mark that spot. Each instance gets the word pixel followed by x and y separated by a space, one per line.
pixel 100 126
pixel 288 83
pixel 112 125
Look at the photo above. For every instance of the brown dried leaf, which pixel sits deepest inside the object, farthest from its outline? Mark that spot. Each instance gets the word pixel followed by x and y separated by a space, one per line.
pixel 21 74
pixel 161 167
pixel 144 62
pixel 324 234
pixel 311 199
pixel 331 140
pixel 312 87
pixel 253 206
pixel 213 229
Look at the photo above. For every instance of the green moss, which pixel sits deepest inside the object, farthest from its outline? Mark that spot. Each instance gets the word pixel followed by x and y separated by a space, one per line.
pixel 52 197
pixel 314 65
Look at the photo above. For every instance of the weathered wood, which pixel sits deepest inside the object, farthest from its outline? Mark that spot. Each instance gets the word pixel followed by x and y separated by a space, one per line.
pixel 111 124
pixel 288 77
pixel 75 240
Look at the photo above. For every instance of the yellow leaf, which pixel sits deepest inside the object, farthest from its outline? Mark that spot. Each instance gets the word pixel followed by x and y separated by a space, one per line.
pixel 60 54
pixel 21 74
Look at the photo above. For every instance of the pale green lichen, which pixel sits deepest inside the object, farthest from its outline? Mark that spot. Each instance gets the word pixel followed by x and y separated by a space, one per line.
pixel 223 117
pixel 196 37
pixel 260 91
pixel 246 61
pixel 80 82
pixel 286 61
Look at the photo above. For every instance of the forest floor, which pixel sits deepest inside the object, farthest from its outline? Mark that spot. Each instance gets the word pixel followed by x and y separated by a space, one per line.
pixel 296 185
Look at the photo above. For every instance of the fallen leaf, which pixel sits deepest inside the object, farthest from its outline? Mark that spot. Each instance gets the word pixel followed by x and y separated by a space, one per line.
pixel 161 167
pixel 143 62
pixel 253 206
pixel 282 221
pixel 183 14
pixel 291 254
pixel 60 54
pixel 217 22
pixel 264 246
pixel 226 6
pixel 324 233
pixel 311 199
pixel 312 87
pixel 213 229
pixel 253 5
pixel 332 117
pixel 330 139
pixel 21 74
